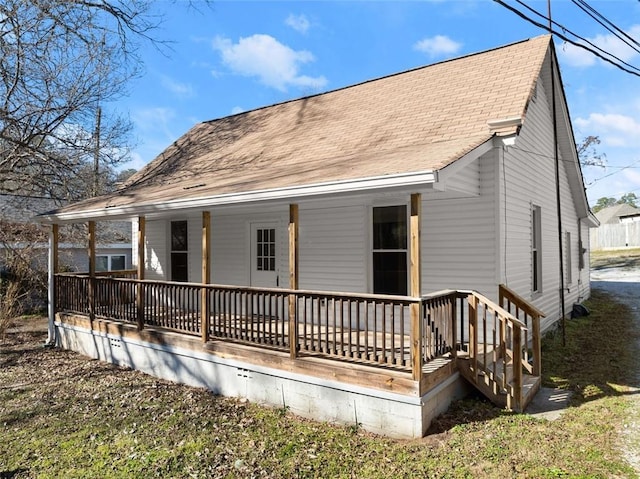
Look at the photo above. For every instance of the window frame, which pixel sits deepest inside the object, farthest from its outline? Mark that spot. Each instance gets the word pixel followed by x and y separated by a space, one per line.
pixel 177 251
pixel 569 253
pixel 373 250
pixel 271 254
pixel 536 249
pixel 110 257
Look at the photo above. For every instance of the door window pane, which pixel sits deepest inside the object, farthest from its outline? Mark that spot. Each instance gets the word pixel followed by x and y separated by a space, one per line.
pixel 266 249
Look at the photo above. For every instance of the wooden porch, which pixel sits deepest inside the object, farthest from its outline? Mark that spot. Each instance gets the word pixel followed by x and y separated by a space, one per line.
pixel 414 342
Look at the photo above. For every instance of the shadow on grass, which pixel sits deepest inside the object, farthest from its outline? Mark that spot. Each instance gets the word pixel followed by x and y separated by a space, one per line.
pixel 619 262
pixel 597 360
pixel 12 474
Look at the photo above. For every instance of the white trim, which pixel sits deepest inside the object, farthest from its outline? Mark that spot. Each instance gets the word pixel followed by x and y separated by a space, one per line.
pixel 452 169
pixel 285 193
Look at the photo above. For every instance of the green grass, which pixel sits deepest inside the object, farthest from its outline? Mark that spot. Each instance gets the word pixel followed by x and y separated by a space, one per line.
pixel 621 258
pixel 62 415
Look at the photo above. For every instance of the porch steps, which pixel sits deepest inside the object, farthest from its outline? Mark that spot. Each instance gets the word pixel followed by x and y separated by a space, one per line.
pixel 490 382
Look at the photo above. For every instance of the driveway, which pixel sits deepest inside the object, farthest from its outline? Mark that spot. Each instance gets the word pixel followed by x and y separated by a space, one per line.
pixel 624 284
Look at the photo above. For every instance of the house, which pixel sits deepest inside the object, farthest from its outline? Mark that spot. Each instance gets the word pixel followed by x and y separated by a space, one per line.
pixel 364 255
pixel 19 232
pixel 619 228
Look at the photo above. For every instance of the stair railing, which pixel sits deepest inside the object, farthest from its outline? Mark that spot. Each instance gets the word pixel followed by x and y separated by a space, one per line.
pixel 530 316
pixel 496 344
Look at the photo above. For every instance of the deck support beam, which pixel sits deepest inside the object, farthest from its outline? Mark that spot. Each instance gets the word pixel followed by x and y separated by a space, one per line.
pixel 293 279
pixel 206 274
pixel 415 287
pixel 140 272
pixel 92 269
pixel 54 240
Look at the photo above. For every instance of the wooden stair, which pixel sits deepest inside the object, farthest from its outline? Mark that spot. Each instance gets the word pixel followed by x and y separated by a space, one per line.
pixel 490 381
pixel 500 353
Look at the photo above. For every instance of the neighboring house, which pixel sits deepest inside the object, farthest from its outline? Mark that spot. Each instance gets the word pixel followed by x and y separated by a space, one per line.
pixel 342 254
pixel 21 232
pixel 619 228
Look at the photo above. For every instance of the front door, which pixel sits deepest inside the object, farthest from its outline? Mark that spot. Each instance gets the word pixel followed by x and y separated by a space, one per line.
pixel 264 255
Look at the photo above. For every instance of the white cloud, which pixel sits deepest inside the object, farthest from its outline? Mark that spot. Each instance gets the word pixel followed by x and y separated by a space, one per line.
pixel 299 23
pixel 439 45
pixel 273 63
pixel 237 109
pixel 136 162
pixel 182 90
pixel 579 57
pixel 613 129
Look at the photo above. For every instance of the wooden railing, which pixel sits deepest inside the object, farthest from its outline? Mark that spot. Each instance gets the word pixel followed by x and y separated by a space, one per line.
pixel 440 324
pixel 364 328
pixel 495 349
pixel 358 327
pixel 530 316
pixel 372 329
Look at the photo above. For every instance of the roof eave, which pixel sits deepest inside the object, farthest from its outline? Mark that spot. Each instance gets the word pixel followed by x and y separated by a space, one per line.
pixel 292 193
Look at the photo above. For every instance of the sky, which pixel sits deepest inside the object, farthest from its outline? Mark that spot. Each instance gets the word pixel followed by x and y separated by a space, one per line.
pixel 235 56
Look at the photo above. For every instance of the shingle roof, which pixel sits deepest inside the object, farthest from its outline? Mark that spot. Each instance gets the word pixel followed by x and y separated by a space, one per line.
pixel 415 121
pixel 612 214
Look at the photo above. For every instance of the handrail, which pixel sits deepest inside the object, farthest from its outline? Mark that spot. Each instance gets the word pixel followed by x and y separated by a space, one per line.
pixel 518 306
pixel 399 332
pixel 367 328
pixel 495 349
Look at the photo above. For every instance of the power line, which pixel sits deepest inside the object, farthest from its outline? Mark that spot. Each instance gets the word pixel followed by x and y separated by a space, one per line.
pixel 605 55
pixel 593 13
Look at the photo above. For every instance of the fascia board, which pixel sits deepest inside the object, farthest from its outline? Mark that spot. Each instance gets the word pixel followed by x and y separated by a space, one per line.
pixel 291 193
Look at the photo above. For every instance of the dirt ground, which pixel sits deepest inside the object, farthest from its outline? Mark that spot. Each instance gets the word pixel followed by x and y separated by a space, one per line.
pixel 623 282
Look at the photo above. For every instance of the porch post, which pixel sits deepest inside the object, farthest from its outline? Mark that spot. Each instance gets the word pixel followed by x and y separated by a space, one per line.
pixel 140 273
pixel 293 279
pixel 415 275
pixel 92 270
pixel 53 270
pixel 206 274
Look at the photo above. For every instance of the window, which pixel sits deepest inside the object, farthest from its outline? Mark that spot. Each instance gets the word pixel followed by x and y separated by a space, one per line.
pixel 266 249
pixel 179 251
pixel 536 249
pixel 581 248
pixel 110 262
pixel 390 250
pixel 569 263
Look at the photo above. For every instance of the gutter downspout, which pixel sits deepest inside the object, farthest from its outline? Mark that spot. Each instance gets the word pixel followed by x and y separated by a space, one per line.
pixel 52 270
pixel 557 168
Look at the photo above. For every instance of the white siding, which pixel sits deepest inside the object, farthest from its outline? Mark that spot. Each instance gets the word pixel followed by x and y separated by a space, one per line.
pixel 530 180
pixel 333 248
pixel 156 264
pixel 194 239
pixel 229 252
pixel 459 235
pixel 230 244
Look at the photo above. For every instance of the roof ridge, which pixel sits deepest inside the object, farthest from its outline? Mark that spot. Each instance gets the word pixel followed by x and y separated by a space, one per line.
pixel 376 79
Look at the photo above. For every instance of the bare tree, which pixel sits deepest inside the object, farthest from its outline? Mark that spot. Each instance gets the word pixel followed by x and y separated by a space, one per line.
pixel 59 61
pixel 589 154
